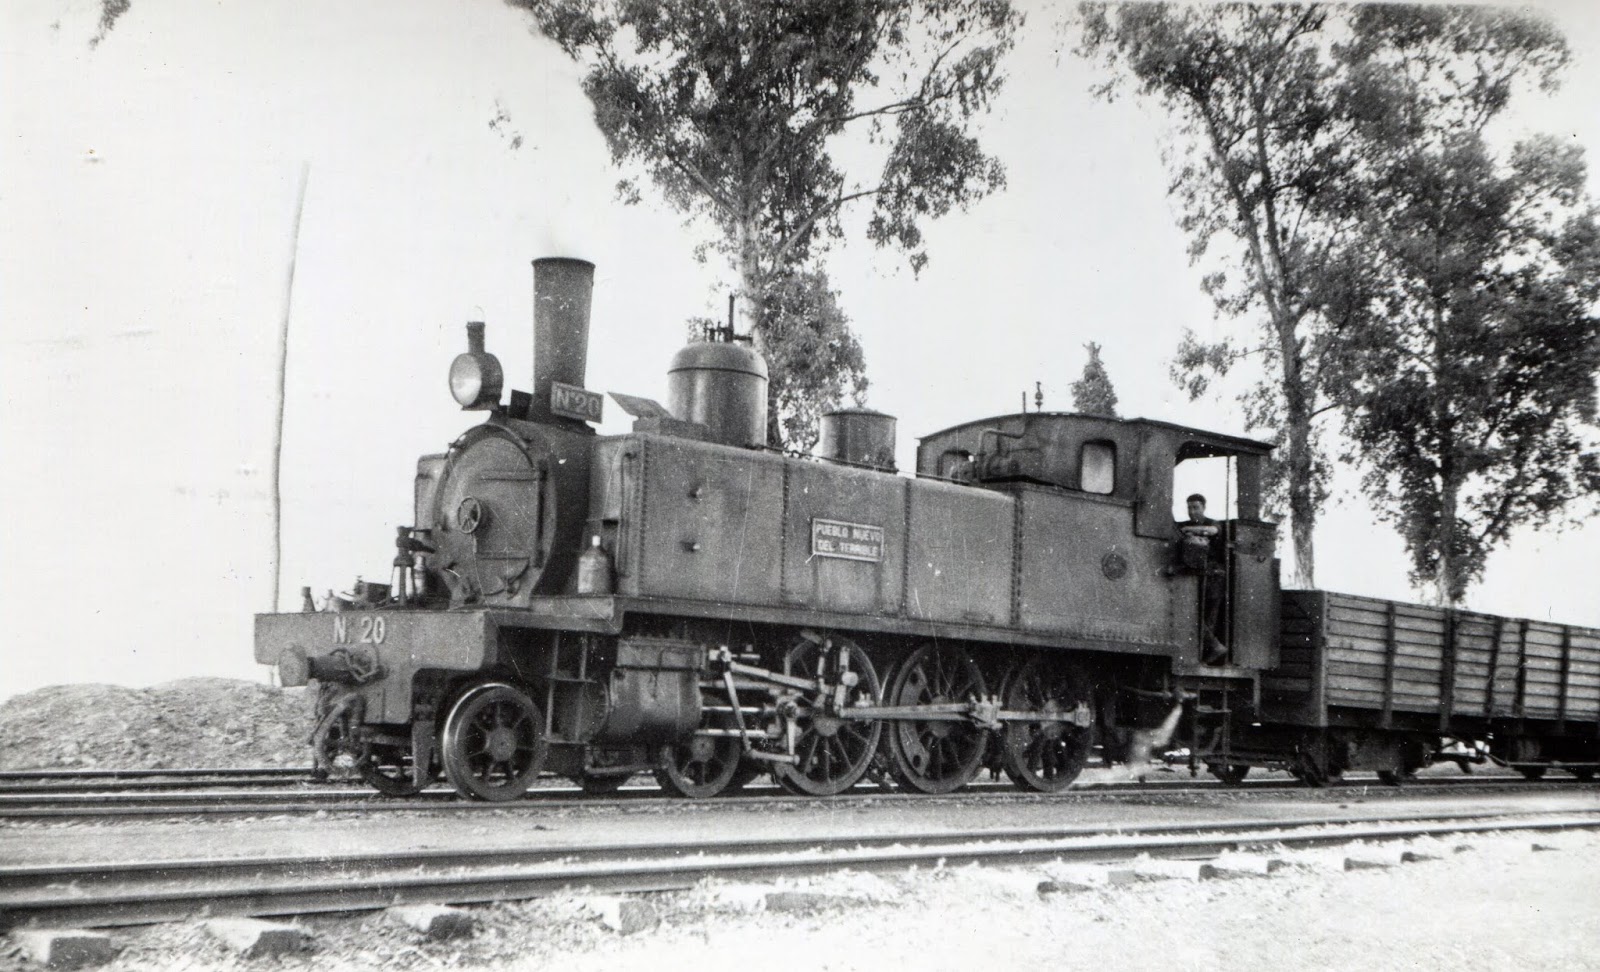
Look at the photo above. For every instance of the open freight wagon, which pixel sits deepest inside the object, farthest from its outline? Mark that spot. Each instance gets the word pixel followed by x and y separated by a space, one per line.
pixel 1347 664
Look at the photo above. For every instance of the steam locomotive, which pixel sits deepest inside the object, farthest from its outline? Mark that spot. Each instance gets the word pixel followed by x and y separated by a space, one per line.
pixel 686 600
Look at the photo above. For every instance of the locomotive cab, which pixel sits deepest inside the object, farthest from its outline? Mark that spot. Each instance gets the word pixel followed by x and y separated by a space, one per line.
pixel 1112 481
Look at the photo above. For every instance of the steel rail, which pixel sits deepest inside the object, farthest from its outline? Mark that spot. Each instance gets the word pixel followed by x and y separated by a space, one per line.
pixel 179 890
pixel 102 803
pixel 285 784
pixel 31 875
pixel 264 772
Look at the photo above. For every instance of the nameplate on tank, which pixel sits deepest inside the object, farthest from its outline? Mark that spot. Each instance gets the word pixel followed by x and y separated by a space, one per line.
pixel 570 401
pixel 847 541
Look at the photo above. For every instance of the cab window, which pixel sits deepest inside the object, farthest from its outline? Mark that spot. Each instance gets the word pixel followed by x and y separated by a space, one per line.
pixel 1097 465
pixel 1211 477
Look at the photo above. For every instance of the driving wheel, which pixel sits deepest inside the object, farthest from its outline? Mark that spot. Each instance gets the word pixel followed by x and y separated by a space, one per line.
pixel 1045 756
pixel 935 754
pixel 832 752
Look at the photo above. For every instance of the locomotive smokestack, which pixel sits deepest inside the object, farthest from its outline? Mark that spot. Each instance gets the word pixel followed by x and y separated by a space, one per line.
pixel 562 287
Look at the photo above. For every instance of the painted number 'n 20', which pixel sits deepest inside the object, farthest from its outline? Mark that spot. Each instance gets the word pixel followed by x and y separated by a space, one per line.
pixel 370 630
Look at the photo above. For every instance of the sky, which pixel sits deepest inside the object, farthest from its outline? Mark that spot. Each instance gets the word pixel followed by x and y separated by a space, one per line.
pixel 148 191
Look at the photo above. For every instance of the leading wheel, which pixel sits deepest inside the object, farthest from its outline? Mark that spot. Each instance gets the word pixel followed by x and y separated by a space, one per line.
pixel 832 752
pixel 493 743
pixel 936 754
pixel 1045 756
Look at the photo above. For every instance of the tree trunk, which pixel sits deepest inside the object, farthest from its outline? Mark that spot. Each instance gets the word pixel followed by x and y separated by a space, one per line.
pixel 1449 475
pixel 752 288
pixel 1302 504
pixel 1447 582
pixel 1297 427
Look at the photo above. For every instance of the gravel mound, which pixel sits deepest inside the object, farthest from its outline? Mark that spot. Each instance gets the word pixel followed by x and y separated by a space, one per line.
pixel 193 722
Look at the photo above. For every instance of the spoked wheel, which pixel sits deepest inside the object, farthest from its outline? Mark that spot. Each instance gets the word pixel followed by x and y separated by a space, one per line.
pixel 935 755
pixel 1045 756
pixel 700 767
pixel 493 743
pixel 1231 774
pixel 833 752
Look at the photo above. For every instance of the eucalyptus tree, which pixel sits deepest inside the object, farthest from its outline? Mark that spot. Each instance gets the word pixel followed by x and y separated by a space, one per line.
pixel 1257 152
pixel 1472 336
pixel 1404 272
pixel 771 121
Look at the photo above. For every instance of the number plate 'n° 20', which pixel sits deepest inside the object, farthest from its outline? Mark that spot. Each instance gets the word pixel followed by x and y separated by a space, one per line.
pixel 367 629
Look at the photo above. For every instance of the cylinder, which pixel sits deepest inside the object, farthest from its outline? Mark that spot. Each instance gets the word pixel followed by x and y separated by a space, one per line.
pixel 562 288
pixel 722 386
pixel 859 435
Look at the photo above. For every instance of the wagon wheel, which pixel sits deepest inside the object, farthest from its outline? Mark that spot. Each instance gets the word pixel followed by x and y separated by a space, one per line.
pixel 1044 756
pixel 1313 765
pixel 493 743
pixel 1583 774
pixel 935 755
pixel 1532 772
pixel 1231 774
pixel 832 752
pixel 700 767
pixel 1414 755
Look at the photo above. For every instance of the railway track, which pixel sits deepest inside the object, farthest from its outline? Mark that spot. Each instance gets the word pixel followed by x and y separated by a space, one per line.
pixel 111 893
pixel 78 799
pixel 249 773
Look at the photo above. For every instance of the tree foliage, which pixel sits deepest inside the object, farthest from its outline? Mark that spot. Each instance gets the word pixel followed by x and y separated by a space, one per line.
pixel 814 360
pixel 1473 342
pixel 110 12
pixel 1438 297
pixel 1092 393
pixel 735 110
pixel 1257 149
